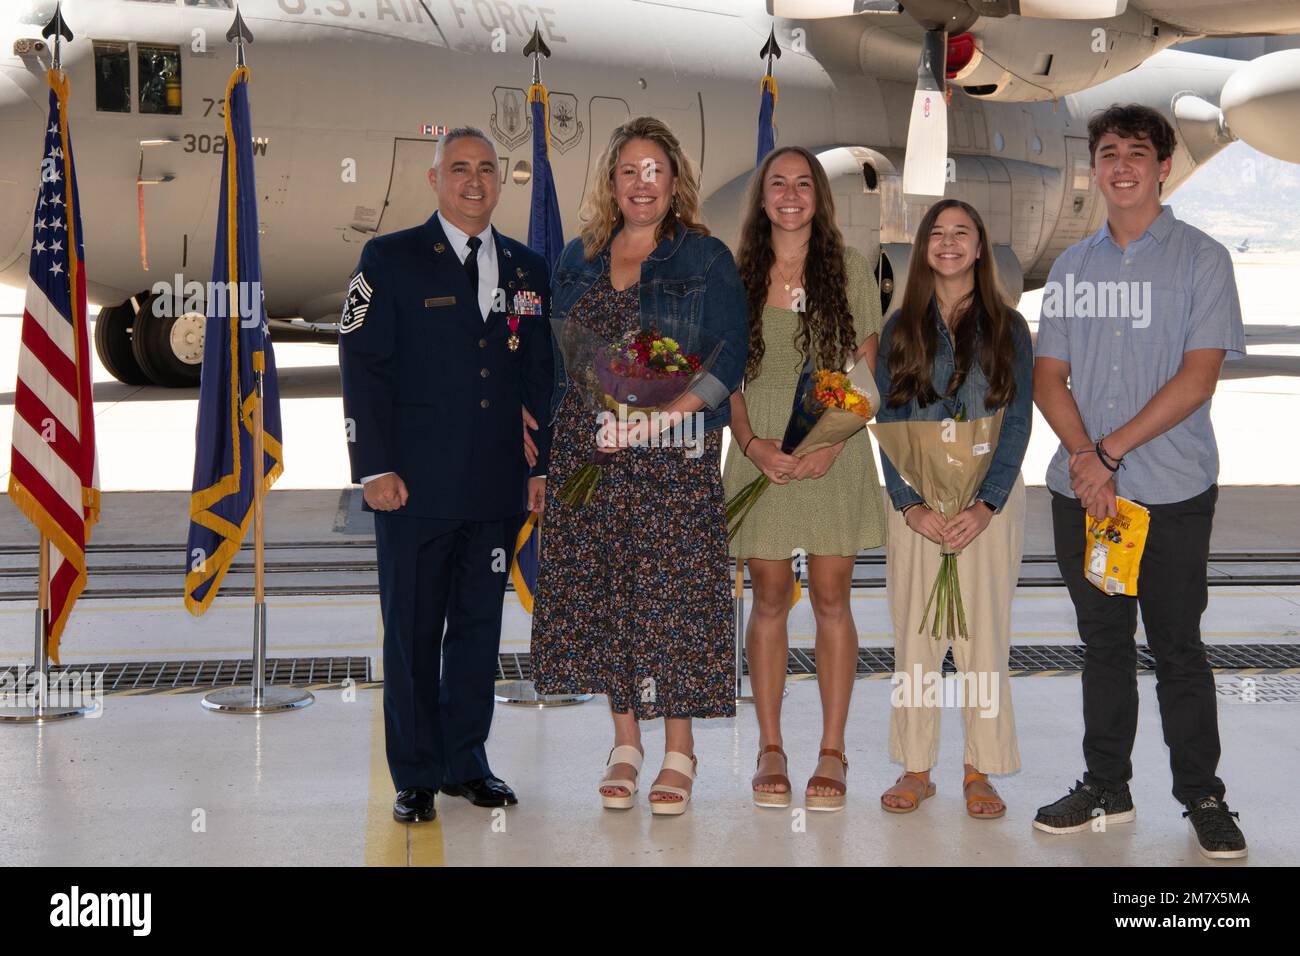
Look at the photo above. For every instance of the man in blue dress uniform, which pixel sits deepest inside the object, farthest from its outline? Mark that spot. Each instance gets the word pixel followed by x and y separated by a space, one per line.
pixel 444 345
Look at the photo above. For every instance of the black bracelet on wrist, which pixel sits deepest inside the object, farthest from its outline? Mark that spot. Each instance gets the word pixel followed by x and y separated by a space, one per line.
pixel 745 451
pixel 909 507
pixel 1106 459
pixel 992 507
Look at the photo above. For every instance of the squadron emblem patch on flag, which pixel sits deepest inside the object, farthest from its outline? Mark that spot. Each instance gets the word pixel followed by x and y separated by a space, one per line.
pixel 356 304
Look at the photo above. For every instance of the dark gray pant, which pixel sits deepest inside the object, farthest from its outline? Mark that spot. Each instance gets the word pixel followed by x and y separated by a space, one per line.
pixel 1172 594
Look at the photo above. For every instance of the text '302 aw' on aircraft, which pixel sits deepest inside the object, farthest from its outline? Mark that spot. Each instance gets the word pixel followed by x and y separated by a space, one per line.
pixel 354 94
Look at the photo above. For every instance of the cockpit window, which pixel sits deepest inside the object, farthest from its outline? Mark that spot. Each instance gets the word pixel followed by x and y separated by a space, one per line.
pixel 112 77
pixel 160 78
pixel 213 4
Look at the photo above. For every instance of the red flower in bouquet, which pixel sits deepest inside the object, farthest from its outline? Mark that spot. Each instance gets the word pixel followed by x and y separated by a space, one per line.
pixel 645 369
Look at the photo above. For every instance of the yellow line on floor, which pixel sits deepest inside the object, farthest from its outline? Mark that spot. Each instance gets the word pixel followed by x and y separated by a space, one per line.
pixel 385 838
pixel 389 843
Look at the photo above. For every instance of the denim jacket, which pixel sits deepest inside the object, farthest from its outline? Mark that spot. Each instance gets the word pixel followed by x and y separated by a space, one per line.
pixel 1016 420
pixel 687 277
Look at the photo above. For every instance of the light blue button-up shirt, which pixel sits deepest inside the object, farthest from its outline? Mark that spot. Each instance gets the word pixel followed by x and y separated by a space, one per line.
pixel 1122 319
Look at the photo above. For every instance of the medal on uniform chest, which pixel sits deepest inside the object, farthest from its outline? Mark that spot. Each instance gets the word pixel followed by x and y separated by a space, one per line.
pixel 525 303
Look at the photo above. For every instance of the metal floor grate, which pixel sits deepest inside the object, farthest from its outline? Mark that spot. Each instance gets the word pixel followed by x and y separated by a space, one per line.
pixel 179 675
pixel 1025 659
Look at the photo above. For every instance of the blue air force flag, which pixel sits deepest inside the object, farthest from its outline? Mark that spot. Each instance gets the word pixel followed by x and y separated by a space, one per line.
pixel 236 345
pixel 545 237
pixel 766 118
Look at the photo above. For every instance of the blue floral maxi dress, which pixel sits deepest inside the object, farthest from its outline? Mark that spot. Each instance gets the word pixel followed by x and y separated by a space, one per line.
pixel 633 589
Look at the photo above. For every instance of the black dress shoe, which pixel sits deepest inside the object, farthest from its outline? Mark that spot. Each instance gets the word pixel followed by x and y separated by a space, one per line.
pixel 414 805
pixel 483 792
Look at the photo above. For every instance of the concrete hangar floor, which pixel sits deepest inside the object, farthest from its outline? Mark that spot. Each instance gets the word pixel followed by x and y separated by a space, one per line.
pixel 128 787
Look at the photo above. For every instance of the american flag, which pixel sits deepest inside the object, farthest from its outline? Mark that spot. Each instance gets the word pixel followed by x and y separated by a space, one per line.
pixel 53 476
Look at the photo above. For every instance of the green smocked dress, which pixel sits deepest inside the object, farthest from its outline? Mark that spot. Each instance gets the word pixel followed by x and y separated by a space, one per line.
pixel 841 512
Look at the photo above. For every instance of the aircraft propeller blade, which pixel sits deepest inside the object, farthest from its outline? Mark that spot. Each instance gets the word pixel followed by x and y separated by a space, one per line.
pixel 1042 9
pixel 925 165
pixel 825 9
pixel 1067 9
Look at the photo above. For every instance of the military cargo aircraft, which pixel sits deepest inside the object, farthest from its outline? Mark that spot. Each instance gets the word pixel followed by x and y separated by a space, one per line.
pixel 350 96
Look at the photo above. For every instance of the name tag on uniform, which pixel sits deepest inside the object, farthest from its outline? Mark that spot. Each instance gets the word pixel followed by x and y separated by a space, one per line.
pixel 439 300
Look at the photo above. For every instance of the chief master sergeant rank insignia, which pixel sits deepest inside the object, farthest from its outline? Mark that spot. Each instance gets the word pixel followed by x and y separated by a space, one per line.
pixel 358 301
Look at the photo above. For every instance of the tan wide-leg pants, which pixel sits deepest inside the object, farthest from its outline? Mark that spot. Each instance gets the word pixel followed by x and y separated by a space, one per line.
pixel 989 569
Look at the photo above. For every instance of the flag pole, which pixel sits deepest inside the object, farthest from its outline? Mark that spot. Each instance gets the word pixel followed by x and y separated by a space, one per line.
pixel 40 711
pixel 255 698
pixel 259 538
pixel 524 692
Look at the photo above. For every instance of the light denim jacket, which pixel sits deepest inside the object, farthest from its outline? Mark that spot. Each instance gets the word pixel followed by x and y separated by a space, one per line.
pixel 687 277
pixel 1016 421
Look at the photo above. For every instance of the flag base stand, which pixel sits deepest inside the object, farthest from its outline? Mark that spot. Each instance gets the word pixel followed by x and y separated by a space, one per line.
pixel 249 700
pixel 40 715
pixel 257 698
pixel 523 693
pixel 41 712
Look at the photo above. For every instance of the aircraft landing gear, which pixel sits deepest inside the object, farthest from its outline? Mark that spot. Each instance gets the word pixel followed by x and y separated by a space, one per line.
pixel 113 343
pixel 153 344
pixel 168 342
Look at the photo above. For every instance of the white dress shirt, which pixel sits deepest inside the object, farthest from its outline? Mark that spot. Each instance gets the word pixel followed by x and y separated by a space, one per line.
pixel 487 261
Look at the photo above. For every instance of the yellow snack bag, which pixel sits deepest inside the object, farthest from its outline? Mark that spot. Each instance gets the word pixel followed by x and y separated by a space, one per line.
pixel 1114 548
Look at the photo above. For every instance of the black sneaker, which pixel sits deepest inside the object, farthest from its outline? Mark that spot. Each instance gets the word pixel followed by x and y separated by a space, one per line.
pixel 1082 805
pixel 1217 835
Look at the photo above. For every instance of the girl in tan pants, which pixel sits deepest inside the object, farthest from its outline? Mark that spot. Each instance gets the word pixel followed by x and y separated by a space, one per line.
pixel 955 350
pixel 981 690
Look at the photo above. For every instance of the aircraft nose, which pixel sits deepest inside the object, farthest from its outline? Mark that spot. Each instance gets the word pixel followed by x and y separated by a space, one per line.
pixel 20 146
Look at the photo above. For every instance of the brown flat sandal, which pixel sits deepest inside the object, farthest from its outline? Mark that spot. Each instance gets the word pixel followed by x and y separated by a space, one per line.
pixel 977 777
pixel 916 796
pixel 836 800
pixel 770 798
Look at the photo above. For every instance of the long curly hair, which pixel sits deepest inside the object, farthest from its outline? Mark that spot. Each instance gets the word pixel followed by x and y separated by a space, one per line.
pixel 826 330
pixel 981 329
pixel 600 213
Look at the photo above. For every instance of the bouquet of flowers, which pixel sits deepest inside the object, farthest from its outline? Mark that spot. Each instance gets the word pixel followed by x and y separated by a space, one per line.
pixel 945 462
pixel 644 370
pixel 829 406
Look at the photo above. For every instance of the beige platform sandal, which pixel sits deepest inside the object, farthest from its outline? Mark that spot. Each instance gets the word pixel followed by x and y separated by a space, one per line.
pixel 684 765
pixel 771 798
pixel 836 799
pixel 628 754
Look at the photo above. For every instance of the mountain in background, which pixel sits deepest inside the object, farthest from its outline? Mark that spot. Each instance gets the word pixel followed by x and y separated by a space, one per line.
pixel 1244 194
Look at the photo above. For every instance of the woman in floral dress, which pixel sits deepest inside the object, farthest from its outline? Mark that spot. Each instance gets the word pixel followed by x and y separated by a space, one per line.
pixel 633 592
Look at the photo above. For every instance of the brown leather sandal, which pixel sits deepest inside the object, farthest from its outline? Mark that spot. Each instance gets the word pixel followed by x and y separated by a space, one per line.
pixel 977 777
pixel 836 800
pixel 771 798
pixel 916 795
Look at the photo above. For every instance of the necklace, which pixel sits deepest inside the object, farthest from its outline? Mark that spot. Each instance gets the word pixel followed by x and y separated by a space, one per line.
pixel 789 278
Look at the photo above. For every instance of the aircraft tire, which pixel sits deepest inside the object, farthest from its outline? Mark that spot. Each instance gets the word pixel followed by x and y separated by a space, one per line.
pixel 154 349
pixel 113 343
